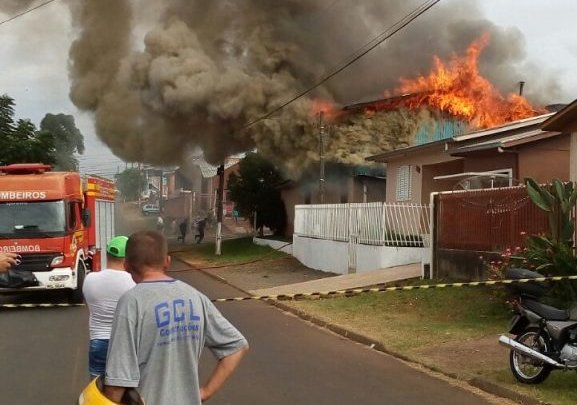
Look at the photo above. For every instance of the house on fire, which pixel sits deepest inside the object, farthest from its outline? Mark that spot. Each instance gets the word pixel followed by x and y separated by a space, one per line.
pixel 511 151
pixel 367 183
pixel 449 156
pixel 482 223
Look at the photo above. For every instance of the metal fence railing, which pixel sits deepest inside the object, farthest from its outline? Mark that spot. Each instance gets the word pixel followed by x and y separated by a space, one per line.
pixel 377 223
pixel 487 219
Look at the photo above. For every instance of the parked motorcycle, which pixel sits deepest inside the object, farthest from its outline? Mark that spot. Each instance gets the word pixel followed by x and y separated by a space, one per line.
pixel 545 336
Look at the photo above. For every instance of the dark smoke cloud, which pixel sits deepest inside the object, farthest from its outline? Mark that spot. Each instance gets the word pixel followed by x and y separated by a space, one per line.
pixel 16 6
pixel 208 68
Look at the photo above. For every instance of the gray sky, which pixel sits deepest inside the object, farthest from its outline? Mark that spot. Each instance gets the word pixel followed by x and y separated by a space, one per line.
pixel 34 55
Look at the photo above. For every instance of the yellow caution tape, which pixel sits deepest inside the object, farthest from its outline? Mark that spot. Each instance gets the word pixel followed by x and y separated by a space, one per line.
pixel 355 291
pixel 43 305
pixel 352 291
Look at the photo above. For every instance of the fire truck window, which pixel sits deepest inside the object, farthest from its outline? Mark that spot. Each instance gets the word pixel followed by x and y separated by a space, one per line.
pixel 32 218
pixel 72 215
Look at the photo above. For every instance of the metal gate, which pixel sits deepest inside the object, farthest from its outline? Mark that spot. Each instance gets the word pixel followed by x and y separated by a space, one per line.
pixel 469 223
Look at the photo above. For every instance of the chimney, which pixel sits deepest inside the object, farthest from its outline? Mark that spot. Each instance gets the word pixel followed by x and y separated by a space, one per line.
pixel 521 85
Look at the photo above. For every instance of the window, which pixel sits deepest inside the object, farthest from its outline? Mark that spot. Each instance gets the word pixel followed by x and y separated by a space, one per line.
pixel 480 180
pixel 32 219
pixel 72 215
pixel 404 183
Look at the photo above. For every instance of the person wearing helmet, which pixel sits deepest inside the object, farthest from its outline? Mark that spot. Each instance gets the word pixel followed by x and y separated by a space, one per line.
pixel 102 291
pixel 160 329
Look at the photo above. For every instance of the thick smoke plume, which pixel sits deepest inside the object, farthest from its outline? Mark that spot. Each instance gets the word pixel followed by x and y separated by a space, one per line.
pixel 15 6
pixel 206 69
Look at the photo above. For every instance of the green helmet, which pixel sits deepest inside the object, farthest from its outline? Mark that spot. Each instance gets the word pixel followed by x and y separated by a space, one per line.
pixel 117 246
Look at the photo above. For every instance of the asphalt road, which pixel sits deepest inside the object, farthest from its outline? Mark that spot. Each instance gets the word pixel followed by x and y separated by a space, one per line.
pixel 43 359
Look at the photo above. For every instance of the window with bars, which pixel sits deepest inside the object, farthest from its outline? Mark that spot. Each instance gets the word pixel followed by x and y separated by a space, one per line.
pixel 404 183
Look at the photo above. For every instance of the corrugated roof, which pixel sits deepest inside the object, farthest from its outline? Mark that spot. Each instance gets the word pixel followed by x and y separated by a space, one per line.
pixel 504 142
pixel 564 120
pixel 384 157
pixel 378 103
pixel 519 137
pixel 207 170
pixel 511 126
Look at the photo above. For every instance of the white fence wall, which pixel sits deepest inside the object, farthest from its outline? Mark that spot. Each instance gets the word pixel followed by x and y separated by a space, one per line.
pixel 345 238
pixel 381 224
pixel 322 254
pixel 334 256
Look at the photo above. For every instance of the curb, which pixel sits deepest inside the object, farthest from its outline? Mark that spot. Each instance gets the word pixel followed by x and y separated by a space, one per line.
pixel 215 277
pixel 500 391
pixel 476 382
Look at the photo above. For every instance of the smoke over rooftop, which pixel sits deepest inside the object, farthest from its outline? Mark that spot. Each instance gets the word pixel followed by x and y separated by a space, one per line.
pixel 15 6
pixel 203 70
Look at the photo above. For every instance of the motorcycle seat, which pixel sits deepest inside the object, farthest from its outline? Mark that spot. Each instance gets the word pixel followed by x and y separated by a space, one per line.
pixel 546 311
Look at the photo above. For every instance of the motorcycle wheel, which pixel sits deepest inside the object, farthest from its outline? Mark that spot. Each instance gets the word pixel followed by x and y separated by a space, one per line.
pixel 526 369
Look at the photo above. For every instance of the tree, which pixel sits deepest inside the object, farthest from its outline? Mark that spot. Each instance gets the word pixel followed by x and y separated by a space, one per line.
pixel 130 182
pixel 254 190
pixel 20 142
pixel 67 139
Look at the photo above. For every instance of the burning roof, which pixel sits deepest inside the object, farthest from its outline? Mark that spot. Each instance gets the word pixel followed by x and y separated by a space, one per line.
pixel 458 90
pixel 451 100
pixel 504 136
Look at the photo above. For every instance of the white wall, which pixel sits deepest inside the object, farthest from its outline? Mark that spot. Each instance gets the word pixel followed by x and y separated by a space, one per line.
pixel 332 256
pixel 321 254
pixel 382 257
pixel 275 244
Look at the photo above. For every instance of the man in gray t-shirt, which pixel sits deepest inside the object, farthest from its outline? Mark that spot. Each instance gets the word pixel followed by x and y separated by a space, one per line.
pixel 160 329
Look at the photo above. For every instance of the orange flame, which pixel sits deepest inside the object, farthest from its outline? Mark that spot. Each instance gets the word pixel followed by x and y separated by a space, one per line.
pixel 458 89
pixel 327 107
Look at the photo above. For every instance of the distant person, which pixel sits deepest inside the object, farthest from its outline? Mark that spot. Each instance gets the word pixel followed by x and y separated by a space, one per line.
pixel 210 219
pixel 200 225
pixel 160 224
pixel 235 214
pixel 183 227
pixel 101 291
pixel 160 328
pixel 7 261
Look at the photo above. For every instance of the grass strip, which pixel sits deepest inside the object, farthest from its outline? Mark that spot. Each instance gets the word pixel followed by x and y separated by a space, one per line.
pixel 414 323
pixel 234 251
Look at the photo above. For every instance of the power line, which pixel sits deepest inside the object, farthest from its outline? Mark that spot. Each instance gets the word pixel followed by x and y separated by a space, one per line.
pixel 398 26
pixel 26 12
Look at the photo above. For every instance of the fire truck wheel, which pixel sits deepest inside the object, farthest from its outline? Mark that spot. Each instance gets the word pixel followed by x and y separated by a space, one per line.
pixel 76 296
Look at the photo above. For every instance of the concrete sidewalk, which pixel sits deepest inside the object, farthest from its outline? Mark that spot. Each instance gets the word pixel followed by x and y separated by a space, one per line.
pixel 348 281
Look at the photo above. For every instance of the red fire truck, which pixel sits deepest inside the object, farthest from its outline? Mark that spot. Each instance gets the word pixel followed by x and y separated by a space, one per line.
pixel 58 222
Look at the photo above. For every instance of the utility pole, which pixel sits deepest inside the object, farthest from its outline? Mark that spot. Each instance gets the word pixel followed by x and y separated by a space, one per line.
pixel 219 207
pixel 160 205
pixel 322 157
pixel 139 184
